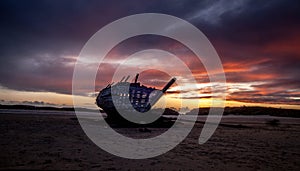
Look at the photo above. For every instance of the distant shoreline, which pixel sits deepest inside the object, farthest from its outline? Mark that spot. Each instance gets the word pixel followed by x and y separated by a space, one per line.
pixel 29 107
pixel 249 111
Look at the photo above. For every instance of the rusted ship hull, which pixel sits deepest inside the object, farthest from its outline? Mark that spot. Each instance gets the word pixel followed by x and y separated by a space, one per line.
pixel 128 96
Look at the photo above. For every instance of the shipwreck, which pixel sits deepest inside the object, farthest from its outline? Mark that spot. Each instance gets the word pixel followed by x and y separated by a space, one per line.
pixel 141 98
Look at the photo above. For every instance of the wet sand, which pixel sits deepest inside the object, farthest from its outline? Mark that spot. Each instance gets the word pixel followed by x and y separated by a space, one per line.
pixel 30 141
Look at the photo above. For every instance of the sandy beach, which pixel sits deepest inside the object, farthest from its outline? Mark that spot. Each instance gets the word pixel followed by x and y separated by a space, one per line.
pixel 56 141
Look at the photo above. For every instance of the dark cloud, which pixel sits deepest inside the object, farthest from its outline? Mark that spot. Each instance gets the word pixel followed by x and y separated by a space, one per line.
pixel 258 41
pixel 194 97
pixel 281 97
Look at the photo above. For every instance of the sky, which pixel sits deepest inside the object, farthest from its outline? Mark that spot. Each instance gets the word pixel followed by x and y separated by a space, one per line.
pixel 257 42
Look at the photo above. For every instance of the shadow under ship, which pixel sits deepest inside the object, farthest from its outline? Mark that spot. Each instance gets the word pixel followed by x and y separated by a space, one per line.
pixel 141 99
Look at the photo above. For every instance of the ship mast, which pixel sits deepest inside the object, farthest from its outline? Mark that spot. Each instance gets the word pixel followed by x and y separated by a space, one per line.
pixel 136 77
pixel 160 93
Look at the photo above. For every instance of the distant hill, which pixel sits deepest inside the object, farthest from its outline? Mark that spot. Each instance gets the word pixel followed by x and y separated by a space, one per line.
pixel 28 107
pixel 252 111
pixel 202 111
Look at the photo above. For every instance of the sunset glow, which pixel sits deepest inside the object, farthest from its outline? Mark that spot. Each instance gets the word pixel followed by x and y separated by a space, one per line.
pixel 258 47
